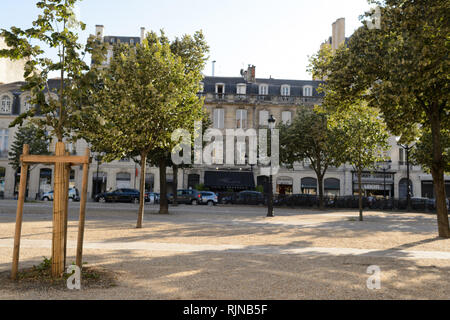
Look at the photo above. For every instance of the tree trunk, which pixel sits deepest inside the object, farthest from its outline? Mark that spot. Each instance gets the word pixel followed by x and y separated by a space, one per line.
pixel 142 190
pixel 437 171
pixel 59 197
pixel 361 218
pixel 175 184
pixel 163 204
pixel 320 182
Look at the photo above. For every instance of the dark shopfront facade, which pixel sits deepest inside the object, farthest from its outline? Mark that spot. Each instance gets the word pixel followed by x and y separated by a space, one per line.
pixel 428 189
pixel 222 181
pixel 375 183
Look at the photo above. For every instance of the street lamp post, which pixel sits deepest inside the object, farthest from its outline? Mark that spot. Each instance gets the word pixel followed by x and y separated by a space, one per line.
pixel 407 148
pixel 271 121
pixel 98 159
pixel 385 167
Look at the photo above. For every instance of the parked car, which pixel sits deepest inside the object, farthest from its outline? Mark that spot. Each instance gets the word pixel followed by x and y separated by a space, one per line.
pixel 152 197
pixel 250 197
pixel 432 203
pixel 209 198
pixel 74 195
pixel 186 196
pixel 120 195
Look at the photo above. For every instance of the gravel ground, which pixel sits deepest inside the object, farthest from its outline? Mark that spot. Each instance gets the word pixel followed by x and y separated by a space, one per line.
pixel 235 274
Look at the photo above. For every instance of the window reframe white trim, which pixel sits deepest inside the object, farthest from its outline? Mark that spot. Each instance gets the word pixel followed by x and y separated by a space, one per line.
pixel 220 84
pixel 290 117
pixel 221 120
pixel 263 85
pixel 11 101
pixel 266 123
pixel 241 85
pixel 285 86
pixel 311 91
pixel 241 112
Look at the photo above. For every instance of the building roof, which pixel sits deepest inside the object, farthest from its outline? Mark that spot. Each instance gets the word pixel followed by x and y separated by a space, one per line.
pixel 296 86
pixel 16 87
pixel 109 39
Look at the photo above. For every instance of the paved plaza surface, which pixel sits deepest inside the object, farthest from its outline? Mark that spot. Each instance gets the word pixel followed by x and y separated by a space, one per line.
pixel 235 252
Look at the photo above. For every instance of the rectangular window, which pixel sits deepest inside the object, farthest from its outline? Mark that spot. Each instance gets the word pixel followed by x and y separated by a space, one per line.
pixel 4 143
pixel 401 156
pixel 263 90
pixel 219 118
pixel 263 118
pixel 307 91
pixel 220 90
pixel 241 119
pixel 286 117
pixel 241 89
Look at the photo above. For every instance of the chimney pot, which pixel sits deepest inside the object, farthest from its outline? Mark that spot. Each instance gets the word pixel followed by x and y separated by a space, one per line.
pixel 142 33
pixel 99 31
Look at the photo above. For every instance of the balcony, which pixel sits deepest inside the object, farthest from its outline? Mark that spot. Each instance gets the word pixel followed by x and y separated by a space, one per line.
pixel 259 99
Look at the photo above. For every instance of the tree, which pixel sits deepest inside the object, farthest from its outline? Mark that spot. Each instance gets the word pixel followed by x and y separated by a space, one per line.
pixel 401 68
pixel 309 137
pixel 422 153
pixel 37 140
pixel 162 158
pixel 365 137
pixel 57 29
pixel 145 93
pixel 32 135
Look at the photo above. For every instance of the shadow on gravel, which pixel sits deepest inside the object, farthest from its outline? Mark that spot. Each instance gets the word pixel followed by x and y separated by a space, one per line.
pixel 237 276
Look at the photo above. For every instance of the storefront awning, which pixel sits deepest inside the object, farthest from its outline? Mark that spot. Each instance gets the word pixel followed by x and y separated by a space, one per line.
pixel 229 180
pixel 309 183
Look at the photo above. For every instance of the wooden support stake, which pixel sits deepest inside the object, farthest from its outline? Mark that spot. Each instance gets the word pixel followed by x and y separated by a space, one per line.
pixel 19 214
pixel 82 212
pixel 66 208
pixel 58 215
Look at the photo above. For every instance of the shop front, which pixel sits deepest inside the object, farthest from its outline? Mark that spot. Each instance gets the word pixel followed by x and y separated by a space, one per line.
pixel 377 184
pixel 285 185
pixel 229 181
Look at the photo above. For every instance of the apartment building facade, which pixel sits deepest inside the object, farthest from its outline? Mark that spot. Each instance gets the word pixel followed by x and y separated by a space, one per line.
pixel 242 102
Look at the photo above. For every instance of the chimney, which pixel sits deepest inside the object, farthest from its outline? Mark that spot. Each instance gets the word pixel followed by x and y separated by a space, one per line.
pixel 213 64
pixel 251 74
pixel 99 31
pixel 338 35
pixel 142 33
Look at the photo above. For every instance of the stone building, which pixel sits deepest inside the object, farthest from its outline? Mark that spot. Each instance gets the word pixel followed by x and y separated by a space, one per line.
pixel 10 70
pixel 232 102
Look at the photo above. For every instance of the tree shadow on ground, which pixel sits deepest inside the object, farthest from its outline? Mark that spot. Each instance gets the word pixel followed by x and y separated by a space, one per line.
pixel 238 275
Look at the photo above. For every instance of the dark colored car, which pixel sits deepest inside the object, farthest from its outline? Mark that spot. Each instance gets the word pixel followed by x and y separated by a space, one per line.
pixel 250 197
pixel 120 195
pixel 186 196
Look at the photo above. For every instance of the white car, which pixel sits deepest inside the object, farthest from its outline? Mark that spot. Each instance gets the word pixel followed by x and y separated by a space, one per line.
pixel 209 198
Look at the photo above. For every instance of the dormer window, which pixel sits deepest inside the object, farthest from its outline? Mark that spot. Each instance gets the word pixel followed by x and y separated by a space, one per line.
pixel 263 89
pixel 220 90
pixel 307 91
pixel 241 88
pixel 27 106
pixel 131 41
pixel 285 90
pixel 5 104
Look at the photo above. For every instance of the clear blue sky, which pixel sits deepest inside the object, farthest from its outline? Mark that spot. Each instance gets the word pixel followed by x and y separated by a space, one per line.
pixel 276 36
